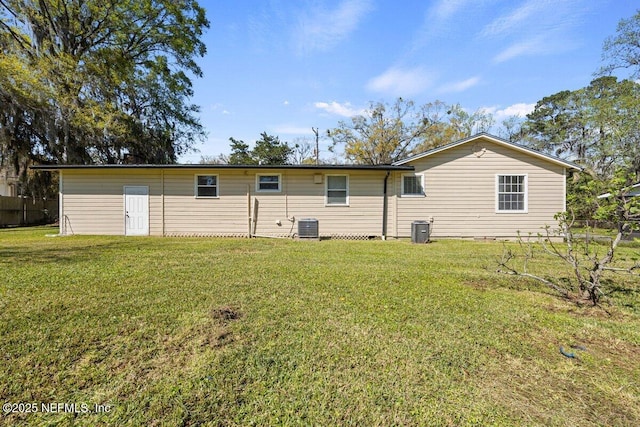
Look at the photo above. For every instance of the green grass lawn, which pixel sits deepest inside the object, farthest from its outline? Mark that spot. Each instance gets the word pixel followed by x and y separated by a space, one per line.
pixel 164 331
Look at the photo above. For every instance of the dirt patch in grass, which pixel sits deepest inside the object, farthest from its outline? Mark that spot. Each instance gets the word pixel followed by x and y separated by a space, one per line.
pixel 225 314
pixel 221 335
pixel 479 285
pixel 213 332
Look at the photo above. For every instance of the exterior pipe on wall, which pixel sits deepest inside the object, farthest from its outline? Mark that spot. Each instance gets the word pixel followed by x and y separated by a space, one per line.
pixel 248 211
pixel 256 204
pixel 286 208
pixel 384 207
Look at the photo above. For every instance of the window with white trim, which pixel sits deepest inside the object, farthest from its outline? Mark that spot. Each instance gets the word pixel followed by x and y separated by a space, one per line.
pixel 268 182
pixel 337 190
pixel 511 193
pixel 413 185
pixel 207 186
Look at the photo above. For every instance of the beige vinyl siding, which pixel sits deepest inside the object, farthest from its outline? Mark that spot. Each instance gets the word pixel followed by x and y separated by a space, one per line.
pixel 460 192
pixel 93 200
pixel 187 215
pixel 363 215
pixel 300 197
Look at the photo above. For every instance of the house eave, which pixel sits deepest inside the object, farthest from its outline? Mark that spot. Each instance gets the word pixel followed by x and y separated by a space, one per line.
pixel 383 168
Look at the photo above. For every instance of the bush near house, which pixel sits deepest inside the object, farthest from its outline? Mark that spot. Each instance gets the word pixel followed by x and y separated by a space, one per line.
pixel 162 331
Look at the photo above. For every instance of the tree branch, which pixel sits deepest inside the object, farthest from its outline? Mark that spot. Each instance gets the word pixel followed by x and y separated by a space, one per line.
pixel 508 256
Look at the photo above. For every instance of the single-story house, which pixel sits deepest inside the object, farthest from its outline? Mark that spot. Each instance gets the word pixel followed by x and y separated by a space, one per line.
pixel 478 187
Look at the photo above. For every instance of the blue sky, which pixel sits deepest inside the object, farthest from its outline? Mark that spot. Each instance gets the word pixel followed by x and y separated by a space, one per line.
pixel 285 66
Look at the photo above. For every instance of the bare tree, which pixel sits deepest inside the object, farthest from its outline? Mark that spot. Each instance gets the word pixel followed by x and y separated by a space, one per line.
pixel 303 151
pixel 220 159
pixel 588 266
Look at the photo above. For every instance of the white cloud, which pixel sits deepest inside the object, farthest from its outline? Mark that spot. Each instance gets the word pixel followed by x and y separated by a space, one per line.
pixel 218 107
pixel 500 114
pixel 460 86
pixel 515 50
pixel 265 24
pixel 526 47
pixel 515 19
pixel 445 9
pixel 536 27
pixel 520 109
pixel 439 17
pixel 401 82
pixel 345 110
pixel 321 30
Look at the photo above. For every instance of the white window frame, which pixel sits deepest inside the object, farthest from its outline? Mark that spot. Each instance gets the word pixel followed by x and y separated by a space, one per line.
pixel 259 190
pixel 326 190
pixel 420 176
pixel 197 186
pixel 526 194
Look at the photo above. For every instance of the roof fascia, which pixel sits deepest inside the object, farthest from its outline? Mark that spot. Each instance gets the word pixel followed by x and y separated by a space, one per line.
pixel 252 167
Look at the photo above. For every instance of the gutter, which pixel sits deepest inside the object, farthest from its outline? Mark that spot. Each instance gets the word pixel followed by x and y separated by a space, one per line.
pixel 223 167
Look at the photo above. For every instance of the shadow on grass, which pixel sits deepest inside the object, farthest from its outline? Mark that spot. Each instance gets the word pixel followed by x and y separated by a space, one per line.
pixel 625 294
pixel 624 290
pixel 62 255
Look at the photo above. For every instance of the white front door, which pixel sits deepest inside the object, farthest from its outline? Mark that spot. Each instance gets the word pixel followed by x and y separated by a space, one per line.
pixel 136 211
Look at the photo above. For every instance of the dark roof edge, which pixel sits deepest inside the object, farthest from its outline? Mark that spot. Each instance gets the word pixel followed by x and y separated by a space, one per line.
pixel 199 166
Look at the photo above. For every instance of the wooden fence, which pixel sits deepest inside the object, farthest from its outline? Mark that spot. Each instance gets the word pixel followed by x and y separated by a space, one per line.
pixel 27 211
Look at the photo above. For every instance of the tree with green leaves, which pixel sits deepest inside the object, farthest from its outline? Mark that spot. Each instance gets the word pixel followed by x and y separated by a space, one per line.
pixel 456 123
pixel 268 150
pixel 240 153
pixel 384 133
pixel 557 125
pixel 387 133
pixel 622 51
pixel 594 126
pixel 88 81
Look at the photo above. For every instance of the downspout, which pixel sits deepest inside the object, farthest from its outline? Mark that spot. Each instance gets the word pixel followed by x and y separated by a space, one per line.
pixel 61 217
pixel 248 211
pixel 385 207
pixel 564 190
pixel 162 199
